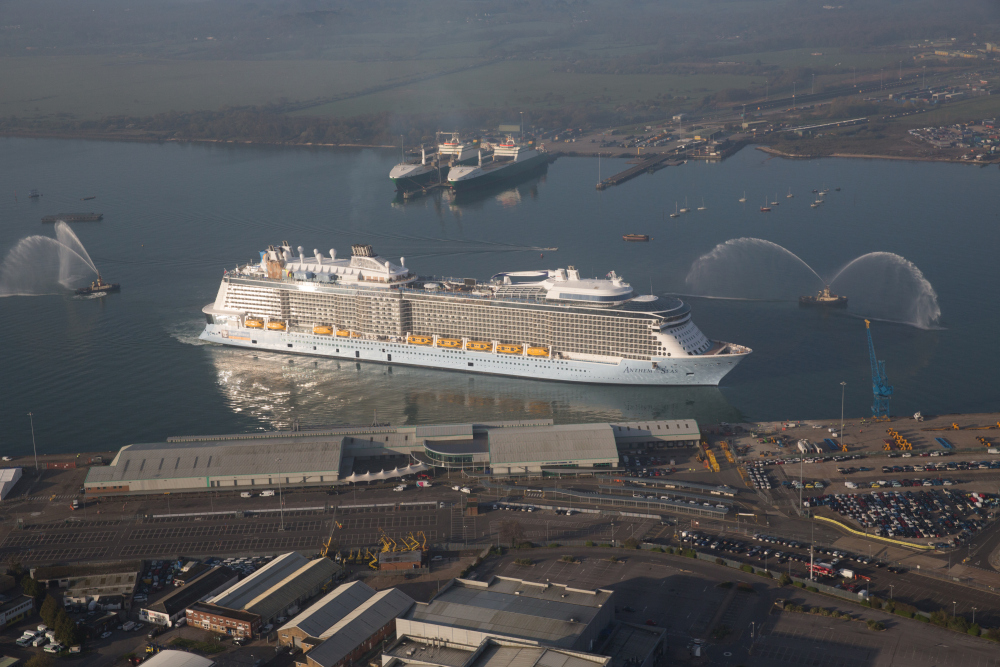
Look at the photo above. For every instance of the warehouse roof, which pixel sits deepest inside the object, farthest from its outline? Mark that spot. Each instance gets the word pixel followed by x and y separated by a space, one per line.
pixel 171 658
pixel 360 624
pixel 223 457
pixel 225 612
pixel 550 613
pixel 240 594
pixel 319 617
pixel 295 586
pixel 491 653
pixel 566 442
pixel 193 591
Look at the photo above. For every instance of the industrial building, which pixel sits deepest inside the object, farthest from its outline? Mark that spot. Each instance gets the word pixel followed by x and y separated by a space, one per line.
pixel 360 631
pixel 85 583
pixel 314 624
pixel 409 651
pixel 169 609
pixel 8 479
pixel 330 456
pixel 546 614
pixel 278 588
pixel 16 609
pixel 171 658
pixel 230 622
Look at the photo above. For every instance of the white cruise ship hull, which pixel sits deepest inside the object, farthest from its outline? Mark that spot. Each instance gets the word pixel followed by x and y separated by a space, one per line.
pixel 700 370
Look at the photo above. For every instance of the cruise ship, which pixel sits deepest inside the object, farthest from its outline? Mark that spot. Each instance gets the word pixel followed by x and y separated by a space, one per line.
pixel 549 324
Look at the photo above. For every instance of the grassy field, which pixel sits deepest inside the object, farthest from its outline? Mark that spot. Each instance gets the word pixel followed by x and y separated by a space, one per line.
pixel 89 87
pixel 974 109
pixel 830 57
pixel 530 84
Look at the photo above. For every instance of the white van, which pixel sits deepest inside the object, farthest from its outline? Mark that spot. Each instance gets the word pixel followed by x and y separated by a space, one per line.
pixel 266 493
pixel 246 494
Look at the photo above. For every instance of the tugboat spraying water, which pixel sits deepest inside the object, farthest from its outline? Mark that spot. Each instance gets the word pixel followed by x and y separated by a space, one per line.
pixel 99 286
pixel 824 298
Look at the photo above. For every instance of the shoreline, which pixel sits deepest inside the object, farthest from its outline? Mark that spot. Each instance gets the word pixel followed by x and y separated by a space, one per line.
pixel 561 152
pixel 865 156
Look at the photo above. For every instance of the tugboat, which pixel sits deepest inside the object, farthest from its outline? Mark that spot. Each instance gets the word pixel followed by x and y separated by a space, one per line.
pixel 824 298
pixel 636 238
pixel 100 286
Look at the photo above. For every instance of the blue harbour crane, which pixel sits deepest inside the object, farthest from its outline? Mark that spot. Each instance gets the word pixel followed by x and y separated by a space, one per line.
pixel 881 389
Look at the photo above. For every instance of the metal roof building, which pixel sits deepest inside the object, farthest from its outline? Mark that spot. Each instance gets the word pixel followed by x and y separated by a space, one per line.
pixel 171 658
pixel 316 622
pixel 467 612
pixel 172 606
pixel 361 629
pixel 529 449
pixel 491 652
pixel 8 479
pixel 285 582
pixel 224 461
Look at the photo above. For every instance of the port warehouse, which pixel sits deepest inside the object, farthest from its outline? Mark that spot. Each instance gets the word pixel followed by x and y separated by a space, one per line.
pixel 325 457
pixel 171 608
pixel 273 591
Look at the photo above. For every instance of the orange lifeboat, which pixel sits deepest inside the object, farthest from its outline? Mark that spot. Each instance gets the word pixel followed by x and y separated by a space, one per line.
pixel 276 326
pixel 343 333
pixel 449 342
pixel 253 323
pixel 418 340
pixel 510 349
pixel 538 351
pixel 478 346
pixel 322 330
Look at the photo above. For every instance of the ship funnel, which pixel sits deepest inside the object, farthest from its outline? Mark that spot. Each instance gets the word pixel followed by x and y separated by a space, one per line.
pixel 319 257
pixel 333 254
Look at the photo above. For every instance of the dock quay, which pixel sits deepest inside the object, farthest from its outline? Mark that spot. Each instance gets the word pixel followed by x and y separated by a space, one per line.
pixel 649 165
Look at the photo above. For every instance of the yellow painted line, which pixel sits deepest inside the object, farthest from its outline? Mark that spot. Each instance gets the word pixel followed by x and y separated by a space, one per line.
pixel 874 537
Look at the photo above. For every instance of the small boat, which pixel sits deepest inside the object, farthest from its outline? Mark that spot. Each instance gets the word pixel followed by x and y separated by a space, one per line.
pixel 99 286
pixel 814 205
pixel 88 198
pixel 824 298
pixel 837 189
pixel 635 238
pixel 685 209
pixel 343 333
pixel 323 330
pixel 449 342
pixel 478 346
pixel 253 323
pixel 818 202
pixel 702 207
pixel 538 351
pixel 743 199
pixel 789 195
pixel 418 340
pixel 509 349
pixel 274 325
pixel 34 194
pixel 676 213
pixel 765 208
pixel 775 202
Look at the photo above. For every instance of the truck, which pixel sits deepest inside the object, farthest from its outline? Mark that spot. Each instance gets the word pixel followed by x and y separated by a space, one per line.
pixel 846 573
pixel 423 484
pixel 128 627
pixel 246 494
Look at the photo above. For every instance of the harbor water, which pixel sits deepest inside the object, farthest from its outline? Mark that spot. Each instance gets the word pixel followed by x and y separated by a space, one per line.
pixel 99 373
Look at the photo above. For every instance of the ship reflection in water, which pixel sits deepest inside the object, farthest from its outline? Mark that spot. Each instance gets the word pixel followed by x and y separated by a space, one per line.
pixel 276 388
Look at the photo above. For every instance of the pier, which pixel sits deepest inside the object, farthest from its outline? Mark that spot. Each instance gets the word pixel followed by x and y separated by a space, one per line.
pixel 649 165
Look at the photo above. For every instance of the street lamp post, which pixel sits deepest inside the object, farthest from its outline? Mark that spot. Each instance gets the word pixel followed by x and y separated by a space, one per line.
pixel 954 604
pixel 890 591
pixel 843 386
pixel 31 418
pixel 973 615
pixel 281 508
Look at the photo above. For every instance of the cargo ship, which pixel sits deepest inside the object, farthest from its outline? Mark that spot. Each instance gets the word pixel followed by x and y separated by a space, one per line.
pixel 73 217
pixel 824 298
pixel 546 324
pixel 434 168
pixel 98 286
pixel 509 159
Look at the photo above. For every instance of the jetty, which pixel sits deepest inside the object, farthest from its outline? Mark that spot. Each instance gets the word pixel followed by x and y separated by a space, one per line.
pixel 649 165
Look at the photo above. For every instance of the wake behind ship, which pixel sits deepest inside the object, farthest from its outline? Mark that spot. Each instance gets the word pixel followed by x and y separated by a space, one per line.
pixel 550 324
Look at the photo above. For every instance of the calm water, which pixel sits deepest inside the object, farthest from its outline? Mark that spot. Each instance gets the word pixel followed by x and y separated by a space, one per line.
pixel 102 373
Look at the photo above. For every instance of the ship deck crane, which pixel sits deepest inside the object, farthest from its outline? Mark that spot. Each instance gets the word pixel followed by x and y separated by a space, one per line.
pixel 881 389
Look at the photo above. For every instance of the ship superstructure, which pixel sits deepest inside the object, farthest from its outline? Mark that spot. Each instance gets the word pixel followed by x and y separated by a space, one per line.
pixel 508 159
pixel 551 324
pixel 433 168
